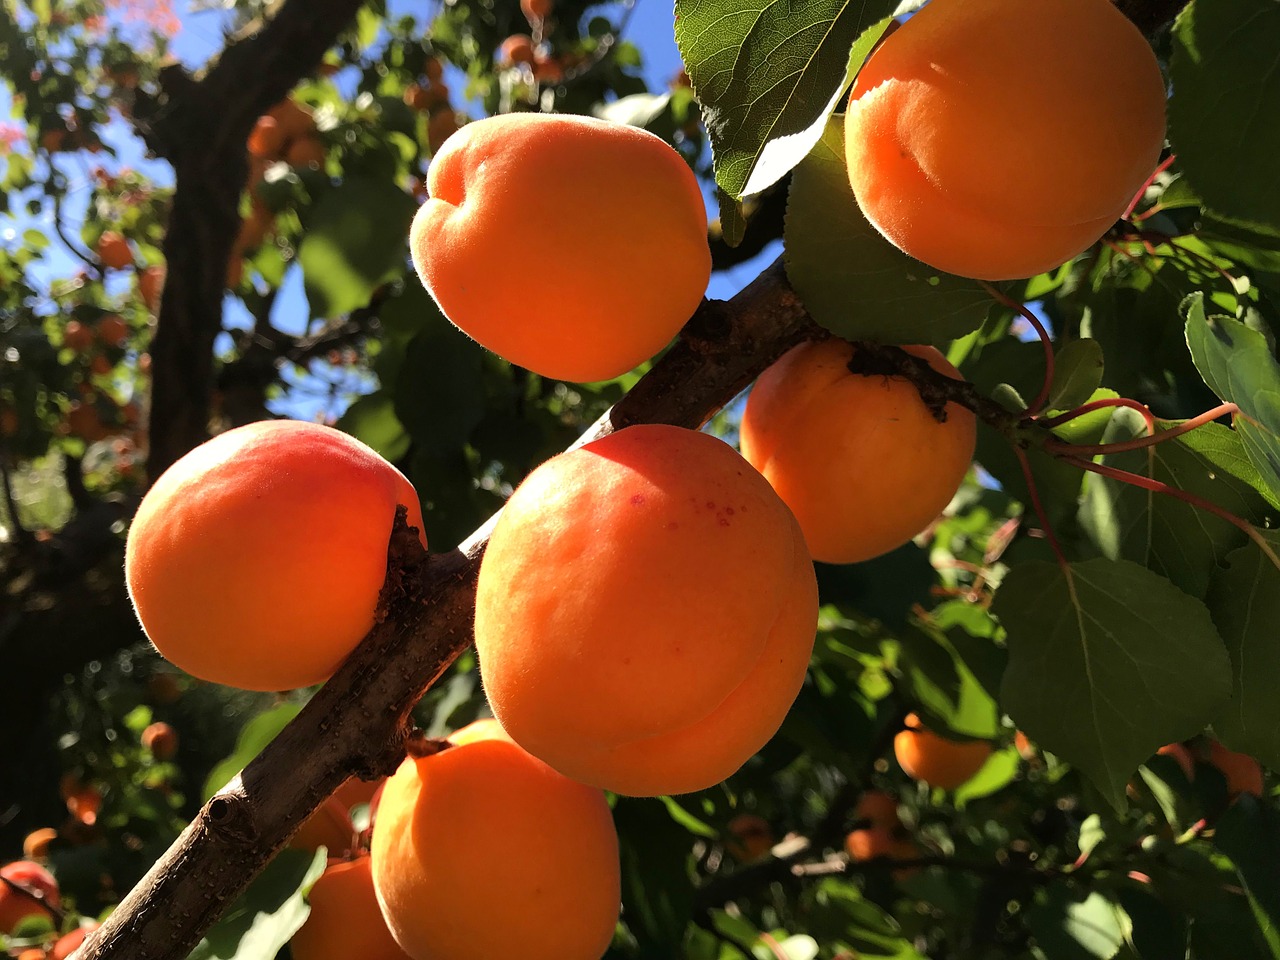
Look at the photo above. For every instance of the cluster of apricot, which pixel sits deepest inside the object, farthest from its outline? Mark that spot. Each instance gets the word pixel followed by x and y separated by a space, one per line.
pixel 432 98
pixel 30 903
pixel 983 138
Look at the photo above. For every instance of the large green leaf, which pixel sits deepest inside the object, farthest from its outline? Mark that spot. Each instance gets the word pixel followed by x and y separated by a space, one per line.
pixel 1226 97
pixel 855 282
pixel 657 896
pixel 1067 928
pixel 1175 539
pixel 356 239
pixel 372 419
pixel 1244 600
pixel 267 914
pixel 768 75
pixel 1107 663
pixel 1249 833
pixel 1237 364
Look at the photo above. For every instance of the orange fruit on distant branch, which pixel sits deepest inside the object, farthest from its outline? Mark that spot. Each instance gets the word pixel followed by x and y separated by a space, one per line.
pixel 936 760
pixel 114 251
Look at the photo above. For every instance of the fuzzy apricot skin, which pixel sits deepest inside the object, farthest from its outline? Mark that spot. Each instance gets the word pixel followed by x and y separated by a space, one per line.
pixel 568 245
pixel 256 560
pixel 345 920
pixel 935 760
pixel 984 138
pixel 860 460
pixel 602 646
pixel 482 849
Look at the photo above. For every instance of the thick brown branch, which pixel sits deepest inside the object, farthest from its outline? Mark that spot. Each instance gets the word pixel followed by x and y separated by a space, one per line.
pixel 201 127
pixel 356 723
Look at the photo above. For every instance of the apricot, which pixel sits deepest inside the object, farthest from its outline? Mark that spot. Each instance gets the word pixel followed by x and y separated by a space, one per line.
pixel 879 842
pixel 84 804
pixel 113 331
pixel 482 848
pixel 935 760
pixel 752 837
pixel 603 298
pixel 37 888
pixel 160 740
pixel 68 943
pixel 345 920
pixel 256 560
pixel 329 826
pixel 982 137
pixel 35 846
pixel 604 649
pixel 293 119
pixel 150 285
pixel 114 251
pixel 1183 757
pixel 537 10
pixel 77 336
pixel 266 140
pixel 516 49
pixel 877 808
pixel 859 459
pixel 305 152
pixel 1243 773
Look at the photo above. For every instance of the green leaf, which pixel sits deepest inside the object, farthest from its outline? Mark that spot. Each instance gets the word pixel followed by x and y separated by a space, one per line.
pixel 732 222
pixel 1237 364
pixel 267 914
pixel 1225 75
pixel 1249 833
pixel 1107 663
pixel 768 75
pixel 855 282
pixel 997 773
pixel 1169 536
pixel 356 239
pixel 254 736
pixel 1244 600
pixel 1091 929
pixel 373 420
pixel 439 393
pixel 657 896
pixel 1077 372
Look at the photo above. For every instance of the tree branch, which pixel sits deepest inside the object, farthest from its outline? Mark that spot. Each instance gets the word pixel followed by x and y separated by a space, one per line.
pixel 357 722
pixel 201 127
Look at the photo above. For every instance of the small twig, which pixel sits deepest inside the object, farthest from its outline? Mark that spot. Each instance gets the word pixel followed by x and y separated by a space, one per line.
pixel 1090 407
pixel 1043 517
pixel 1046 341
pixel 1140 443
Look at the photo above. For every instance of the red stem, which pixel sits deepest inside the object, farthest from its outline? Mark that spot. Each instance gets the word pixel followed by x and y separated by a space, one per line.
pixel 1142 190
pixel 1102 449
pixel 1099 405
pixel 1032 319
pixel 1039 509
pixel 1155 486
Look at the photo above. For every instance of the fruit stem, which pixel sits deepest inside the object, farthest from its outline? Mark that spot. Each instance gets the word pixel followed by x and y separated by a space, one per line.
pixel 1146 185
pixel 1043 397
pixel 1045 525
pixel 1103 449
pixel 1147 483
pixel 1099 405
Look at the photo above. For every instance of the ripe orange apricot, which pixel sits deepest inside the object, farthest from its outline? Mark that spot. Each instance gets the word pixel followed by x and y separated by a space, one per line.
pixel 515 49
pixel 859 459
pixel 603 650
pixel 35 846
pixel 878 841
pixel 38 889
pixel 481 848
pixel 256 560
pixel 329 826
pixel 68 943
pixel 877 808
pixel 1243 773
pixel 614 293
pixel 1183 757
pixel 114 251
pixel 345 919
pixel 150 285
pixel 982 138
pixel 935 760
pixel 537 10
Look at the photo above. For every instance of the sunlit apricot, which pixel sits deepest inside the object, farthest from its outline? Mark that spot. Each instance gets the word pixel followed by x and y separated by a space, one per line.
pixel 629 266
pixel 329 826
pixel 982 137
pixel 114 251
pixel 1243 773
pixel 935 760
pixel 537 10
pixel 601 648
pixel 345 920
pixel 859 458
pixel 84 804
pixel 68 943
pixel 482 848
pixel 36 888
pixel 515 49
pixel 276 533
